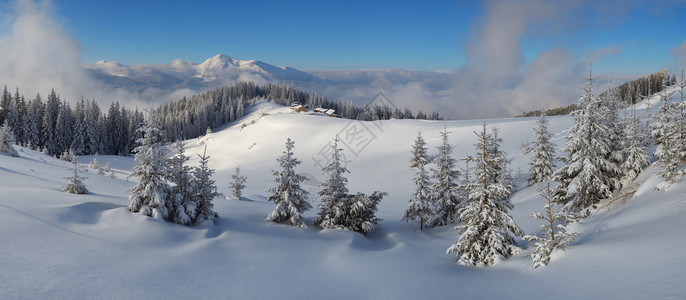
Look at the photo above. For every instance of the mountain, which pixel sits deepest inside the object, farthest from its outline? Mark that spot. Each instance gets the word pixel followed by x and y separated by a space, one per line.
pixel 416 90
pixel 214 71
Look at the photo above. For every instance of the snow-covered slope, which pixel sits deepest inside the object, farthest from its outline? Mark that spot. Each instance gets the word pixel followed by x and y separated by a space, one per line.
pixel 70 246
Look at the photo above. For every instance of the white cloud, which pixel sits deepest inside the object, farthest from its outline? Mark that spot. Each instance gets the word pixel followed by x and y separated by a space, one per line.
pixel 36 54
pixel 679 54
pixel 497 81
pixel 595 55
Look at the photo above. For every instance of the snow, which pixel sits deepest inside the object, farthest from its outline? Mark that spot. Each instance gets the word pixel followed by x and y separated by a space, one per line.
pixel 61 245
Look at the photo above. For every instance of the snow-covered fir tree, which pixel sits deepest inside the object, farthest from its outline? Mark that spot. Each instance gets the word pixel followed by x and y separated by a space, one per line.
pixel 662 128
pixel 420 156
pixel 340 210
pixel 237 183
pixel 333 192
pixel 421 205
pixel 361 212
pixel 5 104
pixel 150 196
pixel 615 124
pixel 666 132
pixel 466 179
pixel 501 173
pixel 78 144
pixel 75 183
pixel 587 175
pixel 93 138
pixel 12 118
pixel 52 107
pixel 488 227
pixel 32 123
pixel 554 233
pixel 205 188
pixel 543 153
pixel 63 128
pixel 182 193
pixel 445 197
pixel 681 123
pixel 289 197
pixel 7 140
pixel 636 157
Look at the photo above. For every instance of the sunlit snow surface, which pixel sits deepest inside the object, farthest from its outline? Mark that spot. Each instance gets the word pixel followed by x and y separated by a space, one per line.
pixel 58 245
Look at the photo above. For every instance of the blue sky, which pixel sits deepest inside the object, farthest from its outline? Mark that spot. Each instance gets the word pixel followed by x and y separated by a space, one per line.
pixel 324 35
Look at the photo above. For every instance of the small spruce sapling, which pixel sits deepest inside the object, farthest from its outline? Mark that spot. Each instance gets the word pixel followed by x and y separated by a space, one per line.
pixel 554 235
pixel 204 188
pixel 237 183
pixel 75 184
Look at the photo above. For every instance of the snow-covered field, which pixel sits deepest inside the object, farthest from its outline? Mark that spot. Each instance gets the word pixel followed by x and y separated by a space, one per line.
pixel 59 245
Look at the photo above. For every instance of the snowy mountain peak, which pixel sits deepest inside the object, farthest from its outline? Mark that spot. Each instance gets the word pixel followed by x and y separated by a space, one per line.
pixel 214 71
pixel 217 63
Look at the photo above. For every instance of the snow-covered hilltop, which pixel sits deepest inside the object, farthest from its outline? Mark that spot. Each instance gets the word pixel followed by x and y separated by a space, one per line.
pixel 63 245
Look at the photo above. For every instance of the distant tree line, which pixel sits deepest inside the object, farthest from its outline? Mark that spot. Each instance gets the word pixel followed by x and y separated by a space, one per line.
pixel 629 93
pixel 191 116
pixel 54 126
pixel 636 90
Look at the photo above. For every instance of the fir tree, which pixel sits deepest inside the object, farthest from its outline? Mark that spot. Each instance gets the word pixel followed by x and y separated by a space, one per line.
pixel 5 105
pixel 332 208
pixel 360 215
pixel 32 123
pixel 183 194
pixel 12 118
pixel 290 199
pixel 445 186
pixel 420 157
pixel 78 141
pixel 615 125
pixel 488 227
pixel 52 108
pixel 463 186
pixel 150 196
pixel 92 129
pixel 587 175
pixel 501 171
pixel 63 128
pixel 237 183
pixel 7 140
pixel 204 188
pixel 541 163
pixel 667 135
pixel 636 157
pixel 421 205
pixel 681 124
pixel 75 184
pixel 555 234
